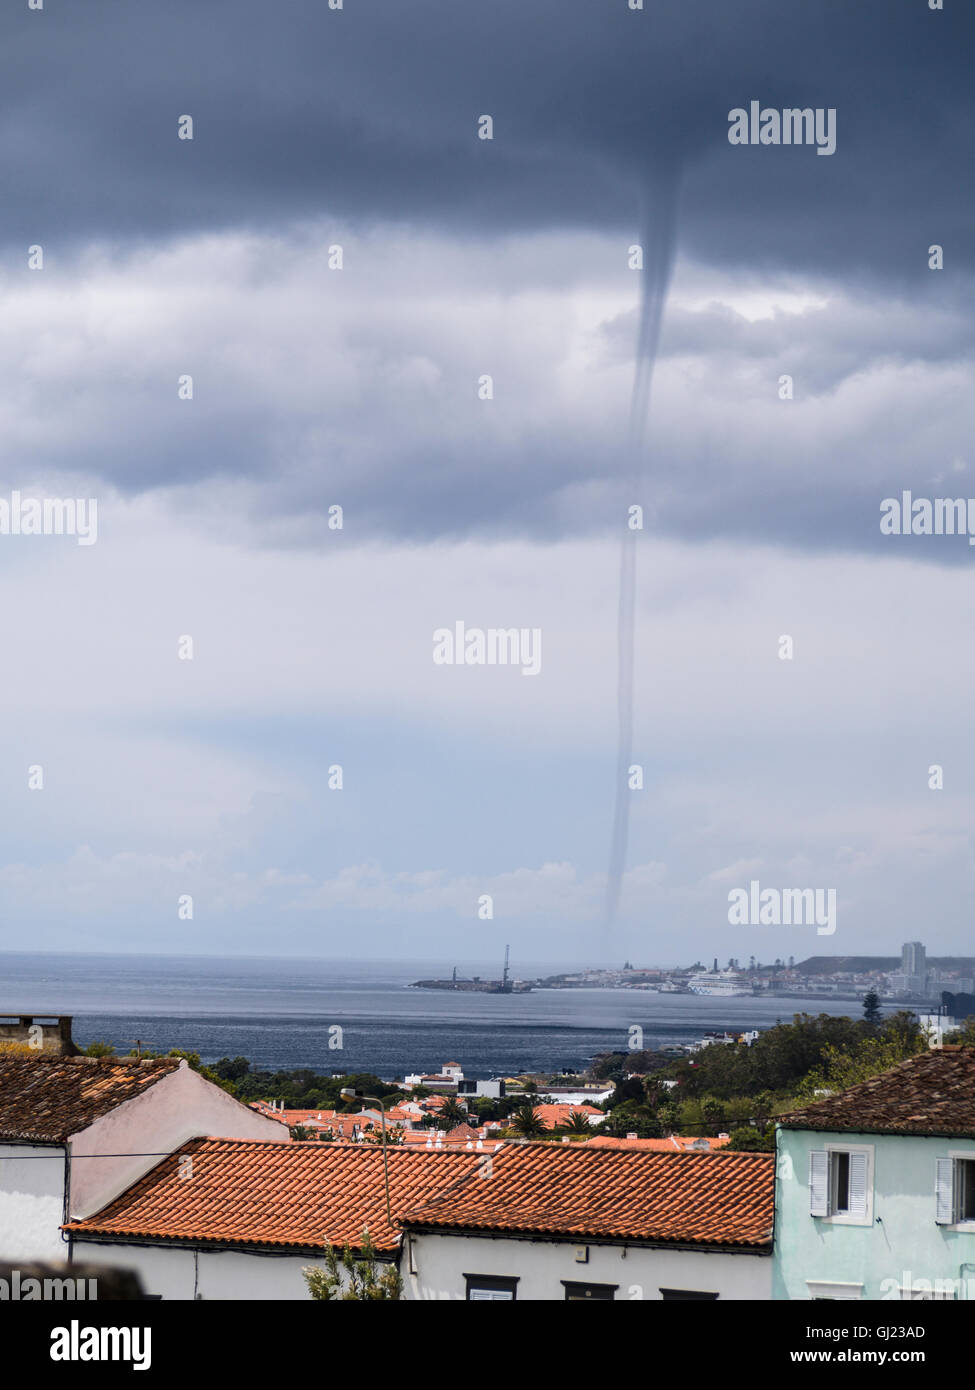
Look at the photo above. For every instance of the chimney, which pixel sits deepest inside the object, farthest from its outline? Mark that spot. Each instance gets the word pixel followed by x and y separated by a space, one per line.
pixel 43 1033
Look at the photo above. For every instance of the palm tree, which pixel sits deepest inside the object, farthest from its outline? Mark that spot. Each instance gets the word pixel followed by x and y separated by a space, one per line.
pixel 527 1122
pixel 452 1114
pixel 576 1123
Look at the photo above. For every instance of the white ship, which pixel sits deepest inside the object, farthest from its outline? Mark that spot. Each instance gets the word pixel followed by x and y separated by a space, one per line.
pixel 719 982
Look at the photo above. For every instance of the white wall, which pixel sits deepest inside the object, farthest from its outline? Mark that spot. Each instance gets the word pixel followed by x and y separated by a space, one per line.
pixel 574 1097
pixel 181 1106
pixel 442 1261
pixel 232 1274
pixel 31 1202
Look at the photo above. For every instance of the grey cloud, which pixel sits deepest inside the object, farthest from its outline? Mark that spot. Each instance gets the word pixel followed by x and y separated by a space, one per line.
pixel 314 388
pixel 369 113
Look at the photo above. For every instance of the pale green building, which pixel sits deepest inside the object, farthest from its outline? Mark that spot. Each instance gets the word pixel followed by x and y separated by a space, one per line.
pixel 875 1187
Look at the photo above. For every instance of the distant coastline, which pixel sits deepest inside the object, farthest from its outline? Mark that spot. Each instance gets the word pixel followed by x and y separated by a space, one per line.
pixel 277 1012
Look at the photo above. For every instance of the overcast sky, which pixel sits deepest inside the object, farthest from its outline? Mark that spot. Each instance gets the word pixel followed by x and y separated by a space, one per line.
pixel 316 387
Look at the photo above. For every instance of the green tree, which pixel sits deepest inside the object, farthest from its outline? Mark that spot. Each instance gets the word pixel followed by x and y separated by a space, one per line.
pixel 872 1012
pixel 668 1114
pixel 394 1134
pixel 99 1049
pixel 738 1111
pixel 528 1123
pixel 365 1280
pixel 900 1038
pixel 608 1066
pixel 628 1089
pixel 763 1106
pixel 712 1112
pixel 631 1118
pixel 748 1139
pixel 577 1122
pixel 452 1114
pixel 775 1062
pixel 231 1070
pixel 691 1119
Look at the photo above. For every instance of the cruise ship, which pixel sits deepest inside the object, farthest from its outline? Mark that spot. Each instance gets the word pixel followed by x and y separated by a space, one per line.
pixel 721 982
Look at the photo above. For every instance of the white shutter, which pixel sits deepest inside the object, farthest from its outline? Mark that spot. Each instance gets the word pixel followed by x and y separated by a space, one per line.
pixel 944 1191
pixel 857 1201
pixel 818 1182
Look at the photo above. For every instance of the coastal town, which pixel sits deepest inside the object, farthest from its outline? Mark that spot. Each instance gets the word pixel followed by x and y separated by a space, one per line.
pixel 910 977
pixel 828 1158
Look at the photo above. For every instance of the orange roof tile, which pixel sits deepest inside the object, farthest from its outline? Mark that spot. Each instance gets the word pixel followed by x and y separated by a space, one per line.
pixel 297 1196
pixel 557 1114
pixel 580 1190
pixel 50 1098
pixel 677 1143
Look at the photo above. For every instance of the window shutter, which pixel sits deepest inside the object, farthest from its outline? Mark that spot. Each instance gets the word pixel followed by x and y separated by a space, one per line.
pixel 818 1182
pixel 858 1185
pixel 944 1192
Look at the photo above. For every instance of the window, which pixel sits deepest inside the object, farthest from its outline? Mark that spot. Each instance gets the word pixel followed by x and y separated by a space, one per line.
pixel 841 1184
pixel 954 1189
pixel 684 1295
pixel 820 1290
pixel 589 1292
pixel 490 1288
pixel 840 1200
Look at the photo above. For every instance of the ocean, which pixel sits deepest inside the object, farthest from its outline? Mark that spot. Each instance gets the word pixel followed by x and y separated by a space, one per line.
pixel 279 1012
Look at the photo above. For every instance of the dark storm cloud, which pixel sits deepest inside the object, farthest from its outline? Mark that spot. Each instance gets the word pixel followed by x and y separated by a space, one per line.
pixel 369 112
pixel 365 118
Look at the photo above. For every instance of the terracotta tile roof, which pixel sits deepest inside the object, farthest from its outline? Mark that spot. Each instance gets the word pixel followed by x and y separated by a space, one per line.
pixel 266 1111
pixel 579 1190
pixel 50 1098
pixel 554 1115
pixel 420 1138
pixel 677 1143
pixel 304 1117
pixel 462 1131
pixel 256 1193
pixel 930 1094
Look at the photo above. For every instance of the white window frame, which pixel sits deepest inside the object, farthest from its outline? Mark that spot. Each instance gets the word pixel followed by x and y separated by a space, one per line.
pixel 956 1155
pixel 822 1288
pixel 835 1218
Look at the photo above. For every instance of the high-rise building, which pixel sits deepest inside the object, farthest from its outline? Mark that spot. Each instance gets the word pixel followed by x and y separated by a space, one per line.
pixel 912 978
pixel 913 959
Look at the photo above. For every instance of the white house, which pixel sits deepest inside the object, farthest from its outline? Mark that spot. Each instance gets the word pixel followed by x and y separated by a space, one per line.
pixel 77 1131
pixel 236 1219
pixel 231 1219
pixel 576 1095
pixel 449 1075
pixel 547 1222
pixel 491 1089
